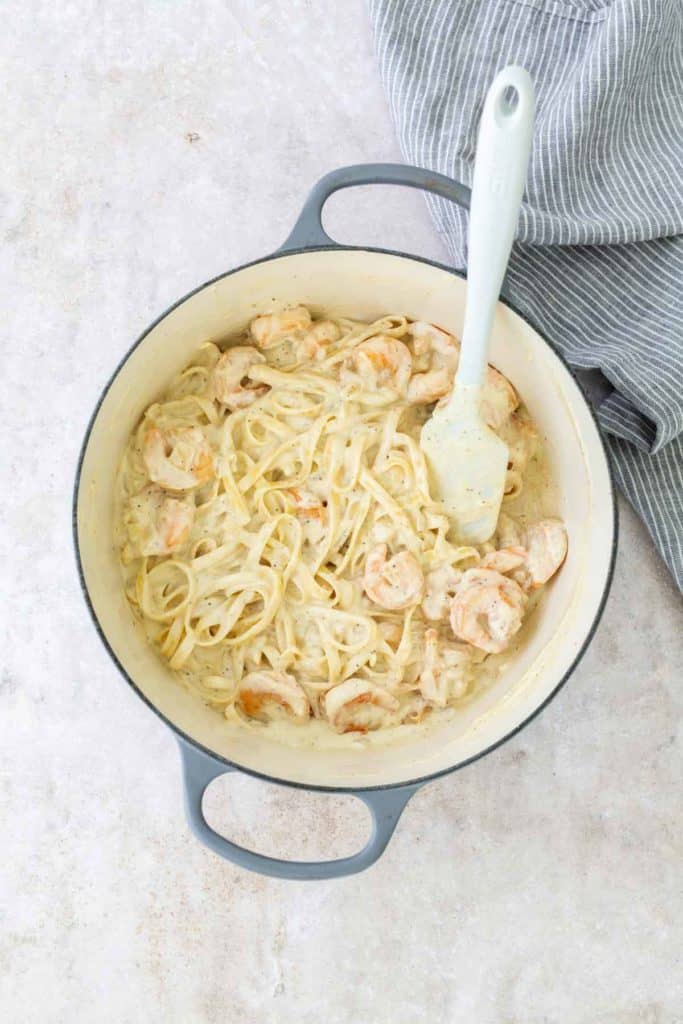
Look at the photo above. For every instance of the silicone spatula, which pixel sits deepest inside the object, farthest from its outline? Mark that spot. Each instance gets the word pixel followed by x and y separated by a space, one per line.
pixel 467 459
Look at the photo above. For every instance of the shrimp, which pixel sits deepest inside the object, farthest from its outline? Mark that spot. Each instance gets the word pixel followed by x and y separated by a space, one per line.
pixel 307 505
pixel 428 337
pixel 268 695
pixel 178 459
pixel 272 328
pixel 441 585
pixel 546 546
pixel 504 560
pixel 314 343
pixel 445 673
pixel 230 377
pixel 394 584
pixel 499 399
pixel 309 508
pixel 357 705
pixel 157 523
pixel 443 352
pixel 487 610
pixel 532 556
pixel 378 363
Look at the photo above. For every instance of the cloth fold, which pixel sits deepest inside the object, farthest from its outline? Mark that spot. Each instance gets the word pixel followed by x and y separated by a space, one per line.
pixel 598 263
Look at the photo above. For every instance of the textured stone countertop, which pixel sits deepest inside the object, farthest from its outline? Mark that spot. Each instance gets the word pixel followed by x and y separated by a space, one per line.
pixel 148 147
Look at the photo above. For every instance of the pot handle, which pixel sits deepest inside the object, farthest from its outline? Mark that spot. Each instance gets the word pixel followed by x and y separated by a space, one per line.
pixel 385 806
pixel 308 232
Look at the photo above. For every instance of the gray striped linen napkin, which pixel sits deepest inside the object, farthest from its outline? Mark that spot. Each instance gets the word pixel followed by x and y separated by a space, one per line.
pixel 598 264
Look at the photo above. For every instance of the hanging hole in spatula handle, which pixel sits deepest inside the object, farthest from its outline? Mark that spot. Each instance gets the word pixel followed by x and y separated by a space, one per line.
pixel 511 95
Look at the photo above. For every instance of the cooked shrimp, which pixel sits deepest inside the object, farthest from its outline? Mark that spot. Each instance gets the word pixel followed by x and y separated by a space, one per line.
pixel 157 523
pixel 309 508
pixel 499 399
pixel 531 556
pixel 359 706
pixel 306 504
pixel 546 544
pixel 395 583
pixel 379 362
pixel 428 338
pixel 487 610
pixel 425 388
pixel 445 674
pixel 443 352
pixel 179 459
pixel 230 377
pixel 440 588
pixel 267 695
pixel 272 328
pixel 504 560
pixel 315 342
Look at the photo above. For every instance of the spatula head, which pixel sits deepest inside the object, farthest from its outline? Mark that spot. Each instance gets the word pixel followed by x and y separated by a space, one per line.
pixel 468 463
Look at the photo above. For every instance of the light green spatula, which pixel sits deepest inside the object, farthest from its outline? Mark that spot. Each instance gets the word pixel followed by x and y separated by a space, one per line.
pixel 467 460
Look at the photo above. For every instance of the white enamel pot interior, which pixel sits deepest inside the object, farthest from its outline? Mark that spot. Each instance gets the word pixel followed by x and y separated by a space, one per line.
pixel 364 284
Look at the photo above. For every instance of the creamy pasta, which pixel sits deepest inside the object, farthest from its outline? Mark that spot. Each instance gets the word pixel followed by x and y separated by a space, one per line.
pixel 279 540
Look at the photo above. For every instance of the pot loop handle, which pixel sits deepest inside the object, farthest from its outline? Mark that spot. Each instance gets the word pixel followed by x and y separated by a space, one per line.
pixel 385 806
pixel 308 232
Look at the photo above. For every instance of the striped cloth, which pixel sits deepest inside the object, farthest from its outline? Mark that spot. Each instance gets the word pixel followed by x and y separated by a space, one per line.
pixel 599 261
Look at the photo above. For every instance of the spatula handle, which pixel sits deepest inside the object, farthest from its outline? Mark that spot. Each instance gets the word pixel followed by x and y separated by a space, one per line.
pixel 502 157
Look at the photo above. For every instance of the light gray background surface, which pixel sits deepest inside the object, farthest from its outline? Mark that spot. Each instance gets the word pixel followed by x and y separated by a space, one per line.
pixel 146 149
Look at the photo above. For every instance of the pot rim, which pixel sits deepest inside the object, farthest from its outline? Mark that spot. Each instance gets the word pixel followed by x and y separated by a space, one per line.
pixel 184 737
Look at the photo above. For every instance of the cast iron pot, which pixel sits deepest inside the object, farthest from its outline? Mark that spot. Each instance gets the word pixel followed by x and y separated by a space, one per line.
pixel 312 269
